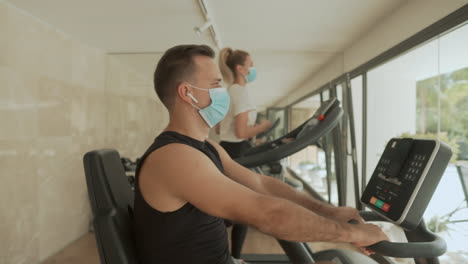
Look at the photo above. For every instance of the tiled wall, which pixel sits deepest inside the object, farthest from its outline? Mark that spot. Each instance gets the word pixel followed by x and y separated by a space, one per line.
pixel 58 99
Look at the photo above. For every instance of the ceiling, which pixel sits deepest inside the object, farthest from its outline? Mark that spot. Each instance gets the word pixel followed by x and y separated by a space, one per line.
pixel 288 40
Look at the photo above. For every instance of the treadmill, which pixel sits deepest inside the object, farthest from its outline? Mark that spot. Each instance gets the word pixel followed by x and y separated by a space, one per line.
pixel 396 178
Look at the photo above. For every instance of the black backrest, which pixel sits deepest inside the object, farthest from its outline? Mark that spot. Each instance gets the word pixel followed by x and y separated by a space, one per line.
pixel 111 200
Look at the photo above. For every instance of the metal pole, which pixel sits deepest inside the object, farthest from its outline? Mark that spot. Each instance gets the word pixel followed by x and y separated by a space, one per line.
pixel 353 143
pixel 364 132
pixel 344 138
pixel 338 151
pixel 327 150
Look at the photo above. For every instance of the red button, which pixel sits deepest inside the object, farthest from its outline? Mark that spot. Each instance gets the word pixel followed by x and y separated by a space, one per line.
pixel 386 207
pixel 373 200
pixel 321 117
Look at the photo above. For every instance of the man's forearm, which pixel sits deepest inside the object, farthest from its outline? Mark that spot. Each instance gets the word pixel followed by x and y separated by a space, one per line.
pixel 277 188
pixel 287 220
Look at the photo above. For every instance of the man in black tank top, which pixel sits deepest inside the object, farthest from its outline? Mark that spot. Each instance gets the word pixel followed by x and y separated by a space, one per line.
pixel 186 184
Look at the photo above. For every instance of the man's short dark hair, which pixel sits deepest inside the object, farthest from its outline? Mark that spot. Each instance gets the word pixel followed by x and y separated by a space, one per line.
pixel 176 66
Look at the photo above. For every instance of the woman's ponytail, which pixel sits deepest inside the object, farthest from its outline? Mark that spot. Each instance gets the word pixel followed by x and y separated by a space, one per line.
pixel 226 71
pixel 228 60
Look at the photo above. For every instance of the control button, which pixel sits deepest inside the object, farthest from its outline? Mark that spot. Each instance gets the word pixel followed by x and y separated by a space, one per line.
pixel 386 207
pixel 321 117
pixel 379 203
pixel 373 200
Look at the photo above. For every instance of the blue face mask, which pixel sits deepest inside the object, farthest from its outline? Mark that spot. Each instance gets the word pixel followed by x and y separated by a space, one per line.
pixel 218 108
pixel 252 75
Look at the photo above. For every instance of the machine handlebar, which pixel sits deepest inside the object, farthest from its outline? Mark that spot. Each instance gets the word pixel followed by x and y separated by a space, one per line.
pixel 430 244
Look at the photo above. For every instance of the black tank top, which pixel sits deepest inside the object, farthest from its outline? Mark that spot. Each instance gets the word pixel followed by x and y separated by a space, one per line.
pixel 185 236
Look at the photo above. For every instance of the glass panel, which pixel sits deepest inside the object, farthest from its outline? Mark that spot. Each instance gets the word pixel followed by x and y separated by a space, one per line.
pixel 391 101
pixel 424 93
pixel 443 112
pixel 391 93
pixel 310 163
pixel 339 93
pixel 326 95
pixel 274 114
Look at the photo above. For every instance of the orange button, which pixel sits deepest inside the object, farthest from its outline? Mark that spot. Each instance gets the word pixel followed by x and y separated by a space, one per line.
pixel 373 200
pixel 386 207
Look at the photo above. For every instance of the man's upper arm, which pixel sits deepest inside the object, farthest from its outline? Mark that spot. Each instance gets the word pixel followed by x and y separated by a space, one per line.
pixel 191 176
pixel 239 173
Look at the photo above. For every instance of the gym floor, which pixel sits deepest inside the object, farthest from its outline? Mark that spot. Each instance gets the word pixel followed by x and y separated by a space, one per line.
pixel 84 249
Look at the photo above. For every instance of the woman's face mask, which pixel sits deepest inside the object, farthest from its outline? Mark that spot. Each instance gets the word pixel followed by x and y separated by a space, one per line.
pixel 252 75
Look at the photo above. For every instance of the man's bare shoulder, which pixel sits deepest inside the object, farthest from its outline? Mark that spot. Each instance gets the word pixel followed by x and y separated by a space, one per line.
pixel 170 155
pixel 222 153
pixel 165 170
pixel 175 159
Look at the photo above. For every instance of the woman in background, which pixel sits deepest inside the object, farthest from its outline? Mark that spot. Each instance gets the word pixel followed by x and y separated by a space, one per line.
pixel 239 126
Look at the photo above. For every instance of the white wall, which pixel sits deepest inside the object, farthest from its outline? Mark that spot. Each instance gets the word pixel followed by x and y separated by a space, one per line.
pixel 59 98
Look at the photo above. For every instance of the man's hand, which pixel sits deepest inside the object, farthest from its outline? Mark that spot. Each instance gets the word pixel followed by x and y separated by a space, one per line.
pixel 345 214
pixel 364 235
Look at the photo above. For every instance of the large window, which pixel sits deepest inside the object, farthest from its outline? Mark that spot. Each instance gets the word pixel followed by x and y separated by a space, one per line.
pixel 424 93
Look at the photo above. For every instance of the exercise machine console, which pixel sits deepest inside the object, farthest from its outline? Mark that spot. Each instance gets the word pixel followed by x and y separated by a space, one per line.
pixel 405 179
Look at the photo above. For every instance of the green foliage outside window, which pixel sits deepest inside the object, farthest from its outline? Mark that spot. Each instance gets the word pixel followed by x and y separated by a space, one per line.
pixel 453 114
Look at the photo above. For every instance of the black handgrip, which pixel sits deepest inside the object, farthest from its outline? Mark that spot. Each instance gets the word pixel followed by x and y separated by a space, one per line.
pixel 276 150
pixel 430 244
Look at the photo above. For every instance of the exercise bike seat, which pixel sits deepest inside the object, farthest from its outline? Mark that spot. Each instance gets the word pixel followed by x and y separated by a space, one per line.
pixel 111 201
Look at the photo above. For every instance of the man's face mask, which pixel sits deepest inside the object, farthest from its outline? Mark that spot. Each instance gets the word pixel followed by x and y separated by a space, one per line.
pixel 218 108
